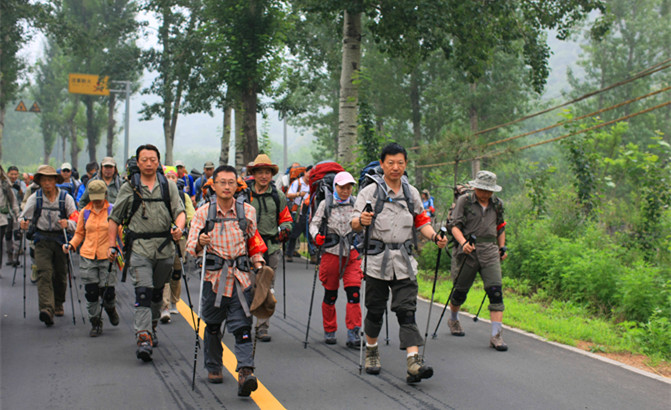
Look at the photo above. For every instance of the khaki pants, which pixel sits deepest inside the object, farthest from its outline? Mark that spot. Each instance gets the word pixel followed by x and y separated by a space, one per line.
pixel 52 274
pixel 173 289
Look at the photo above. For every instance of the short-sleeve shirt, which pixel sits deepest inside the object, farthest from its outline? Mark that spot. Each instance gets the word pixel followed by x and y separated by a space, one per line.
pixel 393 225
pixel 156 217
pixel 472 219
pixel 298 186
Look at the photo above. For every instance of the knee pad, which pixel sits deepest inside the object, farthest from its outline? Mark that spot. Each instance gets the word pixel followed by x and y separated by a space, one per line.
pixel 330 296
pixel 92 292
pixel 495 294
pixel 157 294
pixel 458 297
pixel 176 274
pixel 352 294
pixel 405 317
pixel 213 329
pixel 108 293
pixel 143 296
pixel 242 335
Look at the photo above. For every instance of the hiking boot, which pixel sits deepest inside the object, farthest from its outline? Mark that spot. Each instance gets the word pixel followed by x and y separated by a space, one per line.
pixel 290 259
pixel 373 365
pixel 329 338
pixel 353 340
pixel 246 382
pixel 263 335
pixel 46 317
pixel 216 377
pixel 112 315
pixel 144 349
pixel 96 326
pixel 59 311
pixel 33 274
pixel 154 334
pixel 417 370
pixel 165 316
pixel 497 342
pixel 455 327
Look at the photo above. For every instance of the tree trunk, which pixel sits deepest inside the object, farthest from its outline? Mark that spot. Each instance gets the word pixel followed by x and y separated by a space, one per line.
pixel 111 124
pixel 473 117
pixel 249 104
pixel 416 121
pixel 225 136
pixel 2 127
pixel 349 91
pixel 239 139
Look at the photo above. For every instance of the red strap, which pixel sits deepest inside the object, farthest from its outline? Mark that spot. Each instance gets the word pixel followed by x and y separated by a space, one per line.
pixel 285 216
pixel 500 226
pixel 256 245
pixel 422 219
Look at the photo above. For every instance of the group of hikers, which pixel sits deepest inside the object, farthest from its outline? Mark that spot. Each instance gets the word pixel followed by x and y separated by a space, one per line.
pixel 238 228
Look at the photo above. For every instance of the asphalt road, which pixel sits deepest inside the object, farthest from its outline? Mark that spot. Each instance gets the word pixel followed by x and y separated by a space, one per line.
pixel 62 368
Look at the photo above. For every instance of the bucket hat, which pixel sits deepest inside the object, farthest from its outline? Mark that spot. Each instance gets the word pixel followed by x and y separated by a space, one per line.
pixel 47 171
pixel 486 181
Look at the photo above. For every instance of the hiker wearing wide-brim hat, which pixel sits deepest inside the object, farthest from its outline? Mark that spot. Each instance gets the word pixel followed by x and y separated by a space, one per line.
pixel 479 214
pixel 486 181
pixel 263 161
pixel 47 171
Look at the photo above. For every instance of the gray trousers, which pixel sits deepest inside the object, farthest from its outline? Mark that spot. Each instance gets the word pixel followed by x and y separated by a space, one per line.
pixel 153 274
pixel 272 260
pixel 95 271
pixel 236 321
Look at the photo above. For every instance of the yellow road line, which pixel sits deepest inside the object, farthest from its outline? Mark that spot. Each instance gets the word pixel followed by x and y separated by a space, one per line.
pixel 262 396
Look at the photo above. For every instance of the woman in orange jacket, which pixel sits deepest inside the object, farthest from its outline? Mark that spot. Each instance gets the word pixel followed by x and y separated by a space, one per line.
pixel 97 273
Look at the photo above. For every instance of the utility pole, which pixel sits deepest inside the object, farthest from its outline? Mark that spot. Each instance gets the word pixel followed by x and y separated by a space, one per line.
pixel 285 162
pixel 125 90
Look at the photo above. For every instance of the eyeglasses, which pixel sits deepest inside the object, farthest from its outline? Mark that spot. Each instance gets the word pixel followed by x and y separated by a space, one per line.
pixel 224 183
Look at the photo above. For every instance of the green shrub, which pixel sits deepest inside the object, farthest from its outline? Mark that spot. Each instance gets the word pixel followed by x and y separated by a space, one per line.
pixel 427 258
pixel 640 289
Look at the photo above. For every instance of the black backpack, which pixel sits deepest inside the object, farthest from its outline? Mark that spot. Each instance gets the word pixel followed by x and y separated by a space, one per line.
pixel 39 205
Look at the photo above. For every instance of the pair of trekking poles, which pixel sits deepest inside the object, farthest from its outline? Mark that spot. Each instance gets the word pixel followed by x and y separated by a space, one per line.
pixel 25 251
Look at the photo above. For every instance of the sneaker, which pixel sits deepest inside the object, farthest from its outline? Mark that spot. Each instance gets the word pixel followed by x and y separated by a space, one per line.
pixel 144 344
pixel 112 315
pixel 59 311
pixel 263 335
pixel 455 327
pixel 33 274
pixel 417 370
pixel 246 382
pixel 373 364
pixel 174 310
pixel 329 338
pixel 96 326
pixel 215 377
pixel 45 316
pixel 165 316
pixel 154 334
pixel 353 339
pixel 497 342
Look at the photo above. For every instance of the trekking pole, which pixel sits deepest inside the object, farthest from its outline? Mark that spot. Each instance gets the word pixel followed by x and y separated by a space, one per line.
pixel 284 282
pixel 71 269
pixel 14 277
pixel 472 240
pixel 102 299
pixel 23 239
pixel 312 296
pixel 367 208
pixel 386 325
pixel 502 252
pixel 442 233
pixel 186 283
pixel 200 312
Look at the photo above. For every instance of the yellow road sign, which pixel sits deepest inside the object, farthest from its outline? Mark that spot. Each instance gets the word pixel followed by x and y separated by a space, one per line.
pixel 88 84
pixel 21 107
pixel 35 107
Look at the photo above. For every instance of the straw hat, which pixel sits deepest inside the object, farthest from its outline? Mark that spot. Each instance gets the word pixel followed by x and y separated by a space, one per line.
pixel 263 161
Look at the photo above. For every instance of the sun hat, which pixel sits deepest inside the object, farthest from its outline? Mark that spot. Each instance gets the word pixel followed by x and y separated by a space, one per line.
pixel 263 161
pixel 486 181
pixel 108 161
pixel 47 171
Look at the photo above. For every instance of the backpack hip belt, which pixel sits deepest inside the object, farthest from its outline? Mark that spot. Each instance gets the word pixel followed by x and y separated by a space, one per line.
pixel 376 247
pixel 133 236
pixel 215 262
pixel 242 263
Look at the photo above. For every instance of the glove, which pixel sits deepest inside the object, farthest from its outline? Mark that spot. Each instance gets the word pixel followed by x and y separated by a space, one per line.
pixel 283 235
pixel 319 239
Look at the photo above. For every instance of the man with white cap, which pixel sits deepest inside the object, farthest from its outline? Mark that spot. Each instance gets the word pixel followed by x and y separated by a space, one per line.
pixel 330 228
pixel 481 214
pixel 110 175
pixel 70 184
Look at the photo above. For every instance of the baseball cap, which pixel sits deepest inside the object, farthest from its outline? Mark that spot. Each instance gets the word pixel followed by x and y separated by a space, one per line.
pixel 97 189
pixel 179 163
pixel 343 178
pixel 66 165
pixel 108 161
pixel 209 165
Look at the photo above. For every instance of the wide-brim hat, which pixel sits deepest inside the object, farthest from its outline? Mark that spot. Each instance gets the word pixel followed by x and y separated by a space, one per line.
pixel 486 181
pixel 263 161
pixel 47 171
pixel 263 304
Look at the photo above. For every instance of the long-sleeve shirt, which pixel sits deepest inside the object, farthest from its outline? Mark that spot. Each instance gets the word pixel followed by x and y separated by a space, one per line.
pixel 338 223
pixel 227 241
pixel 93 233
pixel 9 207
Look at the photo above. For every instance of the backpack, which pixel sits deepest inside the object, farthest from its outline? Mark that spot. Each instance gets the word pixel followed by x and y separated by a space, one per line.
pixel 465 189
pixel 321 186
pixel 39 205
pixel 239 210
pixel 370 169
pixel 294 172
pixel 274 194
pixel 87 213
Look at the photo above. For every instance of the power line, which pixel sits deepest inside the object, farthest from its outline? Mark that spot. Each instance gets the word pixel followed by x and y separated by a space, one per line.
pixel 571 134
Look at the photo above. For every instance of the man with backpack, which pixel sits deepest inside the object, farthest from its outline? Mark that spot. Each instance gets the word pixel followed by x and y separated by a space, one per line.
pixel 298 191
pixel 110 175
pixel 208 170
pixel 13 233
pixel 273 219
pixel 149 207
pixel 225 229
pixel 70 182
pixel 479 213
pixel 393 223
pixel 45 216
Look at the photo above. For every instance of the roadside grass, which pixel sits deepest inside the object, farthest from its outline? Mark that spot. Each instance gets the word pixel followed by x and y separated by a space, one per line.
pixel 562 322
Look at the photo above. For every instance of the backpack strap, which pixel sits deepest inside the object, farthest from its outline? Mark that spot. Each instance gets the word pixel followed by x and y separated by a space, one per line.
pixel 87 212
pixel 212 219
pixel 62 195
